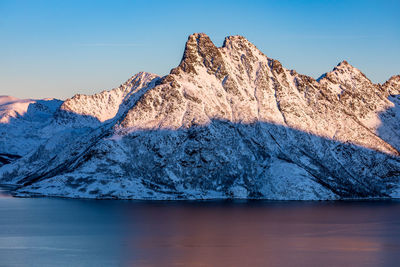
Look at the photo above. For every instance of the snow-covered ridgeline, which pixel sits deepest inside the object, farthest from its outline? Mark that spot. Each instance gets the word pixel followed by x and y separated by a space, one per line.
pixel 227 122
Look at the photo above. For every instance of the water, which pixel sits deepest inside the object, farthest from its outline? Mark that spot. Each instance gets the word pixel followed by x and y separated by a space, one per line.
pixel 62 232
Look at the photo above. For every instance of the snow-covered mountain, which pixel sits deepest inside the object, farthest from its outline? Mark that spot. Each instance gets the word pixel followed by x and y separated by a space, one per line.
pixel 21 125
pixel 228 122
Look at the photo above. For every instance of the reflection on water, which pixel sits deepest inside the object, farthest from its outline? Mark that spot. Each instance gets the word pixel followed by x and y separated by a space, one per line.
pixel 58 232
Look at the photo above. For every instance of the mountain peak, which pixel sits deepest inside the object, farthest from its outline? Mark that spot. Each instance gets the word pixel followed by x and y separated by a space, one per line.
pixel 198 35
pixel 200 51
pixel 195 40
pixel 234 39
pixel 392 86
pixel 344 73
pixel 105 105
pixel 343 63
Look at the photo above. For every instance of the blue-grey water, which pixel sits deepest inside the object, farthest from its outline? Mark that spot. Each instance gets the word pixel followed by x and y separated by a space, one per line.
pixel 67 232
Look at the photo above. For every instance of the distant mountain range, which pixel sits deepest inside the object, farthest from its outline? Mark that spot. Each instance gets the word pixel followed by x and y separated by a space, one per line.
pixel 228 122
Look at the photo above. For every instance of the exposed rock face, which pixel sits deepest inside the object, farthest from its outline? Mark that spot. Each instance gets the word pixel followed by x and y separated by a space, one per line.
pixel 228 122
pixel 392 86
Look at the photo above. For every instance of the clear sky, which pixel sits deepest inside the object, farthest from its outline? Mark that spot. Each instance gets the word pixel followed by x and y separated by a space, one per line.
pixel 59 48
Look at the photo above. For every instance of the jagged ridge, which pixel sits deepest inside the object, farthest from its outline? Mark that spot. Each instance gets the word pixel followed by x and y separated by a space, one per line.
pixel 227 122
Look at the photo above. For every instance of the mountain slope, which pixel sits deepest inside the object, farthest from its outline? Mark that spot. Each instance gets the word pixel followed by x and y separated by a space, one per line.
pixel 96 109
pixel 228 122
pixel 21 124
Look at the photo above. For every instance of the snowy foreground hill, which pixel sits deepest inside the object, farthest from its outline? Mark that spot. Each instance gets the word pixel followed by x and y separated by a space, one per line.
pixel 228 122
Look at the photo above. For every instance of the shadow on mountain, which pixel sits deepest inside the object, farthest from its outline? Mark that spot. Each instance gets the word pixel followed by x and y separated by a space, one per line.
pixel 39 111
pixel 7 158
pixel 262 159
pixel 20 134
pixel 389 130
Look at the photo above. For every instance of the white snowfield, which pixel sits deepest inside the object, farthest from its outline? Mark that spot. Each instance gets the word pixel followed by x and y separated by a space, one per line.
pixel 228 122
pixel 11 107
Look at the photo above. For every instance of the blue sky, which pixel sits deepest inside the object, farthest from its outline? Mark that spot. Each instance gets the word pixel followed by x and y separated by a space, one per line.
pixel 59 48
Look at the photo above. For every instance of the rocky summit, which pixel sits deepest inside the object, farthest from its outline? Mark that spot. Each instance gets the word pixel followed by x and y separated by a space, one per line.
pixel 228 122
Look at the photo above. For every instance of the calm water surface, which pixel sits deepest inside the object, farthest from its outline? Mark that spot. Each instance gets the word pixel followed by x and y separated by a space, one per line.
pixel 61 232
